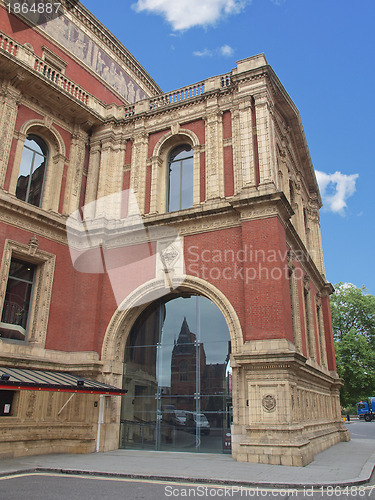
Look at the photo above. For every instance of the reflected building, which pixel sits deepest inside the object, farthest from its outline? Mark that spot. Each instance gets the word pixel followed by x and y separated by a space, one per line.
pixel 188 364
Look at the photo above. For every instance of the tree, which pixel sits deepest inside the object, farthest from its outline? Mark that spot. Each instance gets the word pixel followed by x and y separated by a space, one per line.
pixel 353 321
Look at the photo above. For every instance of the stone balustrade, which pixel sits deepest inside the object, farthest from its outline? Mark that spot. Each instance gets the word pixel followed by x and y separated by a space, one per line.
pixel 177 95
pixel 8 45
pixel 61 80
pixel 25 55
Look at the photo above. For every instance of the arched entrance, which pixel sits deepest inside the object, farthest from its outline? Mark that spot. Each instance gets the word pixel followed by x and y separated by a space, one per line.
pixel 178 377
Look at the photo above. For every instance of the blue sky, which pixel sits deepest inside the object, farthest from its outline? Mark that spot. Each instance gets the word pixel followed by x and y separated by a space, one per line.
pixel 323 53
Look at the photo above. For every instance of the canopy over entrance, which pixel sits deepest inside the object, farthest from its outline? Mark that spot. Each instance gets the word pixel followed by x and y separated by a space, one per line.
pixel 38 380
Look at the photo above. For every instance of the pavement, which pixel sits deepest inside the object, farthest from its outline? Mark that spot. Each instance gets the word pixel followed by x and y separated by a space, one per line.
pixel 344 464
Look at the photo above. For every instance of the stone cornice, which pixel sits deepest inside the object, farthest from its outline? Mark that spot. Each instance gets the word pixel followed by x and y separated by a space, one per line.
pixel 291 361
pixel 32 219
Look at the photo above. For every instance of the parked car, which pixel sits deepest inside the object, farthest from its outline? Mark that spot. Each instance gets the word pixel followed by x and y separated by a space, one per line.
pixel 197 420
pixel 180 418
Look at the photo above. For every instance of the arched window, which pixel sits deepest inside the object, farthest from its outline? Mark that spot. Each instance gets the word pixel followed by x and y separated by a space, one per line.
pixel 32 170
pixel 180 178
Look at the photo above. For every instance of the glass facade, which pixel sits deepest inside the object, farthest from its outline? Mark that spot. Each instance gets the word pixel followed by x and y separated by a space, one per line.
pixel 178 377
pixel 32 171
pixel 180 183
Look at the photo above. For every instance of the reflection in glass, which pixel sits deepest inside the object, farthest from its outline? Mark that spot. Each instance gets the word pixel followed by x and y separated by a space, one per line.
pixel 178 377
pixel 180 182
pixel 32 170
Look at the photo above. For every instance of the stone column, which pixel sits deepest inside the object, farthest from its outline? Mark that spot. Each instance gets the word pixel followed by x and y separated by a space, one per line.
pixel 8 113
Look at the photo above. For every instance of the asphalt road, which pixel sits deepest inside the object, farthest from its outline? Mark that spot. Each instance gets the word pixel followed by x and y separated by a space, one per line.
pixel 362 430
pixel 42 486
pixel 60 487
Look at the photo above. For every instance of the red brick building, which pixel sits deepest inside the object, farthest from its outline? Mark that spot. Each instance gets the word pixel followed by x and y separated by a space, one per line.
pixel 201 203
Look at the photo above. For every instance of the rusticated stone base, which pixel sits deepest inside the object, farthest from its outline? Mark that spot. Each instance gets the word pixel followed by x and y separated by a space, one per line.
pixel 28 447
pixel 299 451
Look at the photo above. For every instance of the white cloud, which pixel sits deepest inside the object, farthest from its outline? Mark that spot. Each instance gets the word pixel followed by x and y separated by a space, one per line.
pixel 184 14
pixel 225 50
pixel 203 53
pixel 336 189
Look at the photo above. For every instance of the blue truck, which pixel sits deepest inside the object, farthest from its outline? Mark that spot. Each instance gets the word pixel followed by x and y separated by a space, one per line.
pixel 366 409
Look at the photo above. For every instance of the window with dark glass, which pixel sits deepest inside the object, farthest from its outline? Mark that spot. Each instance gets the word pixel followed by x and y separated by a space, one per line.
pixel 6 403
pixel 31 177
pixel 16 307
pixel 180 178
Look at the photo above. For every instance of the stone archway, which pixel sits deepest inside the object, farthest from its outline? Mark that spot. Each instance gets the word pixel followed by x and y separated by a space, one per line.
pixel 126 315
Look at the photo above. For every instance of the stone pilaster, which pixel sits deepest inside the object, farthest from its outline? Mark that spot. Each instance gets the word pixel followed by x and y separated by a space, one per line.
pixel 93 175
pixel 265 136
pixel 316 249
pixel 236 133
pixel 8 113
pixel 298 219
pixel 296 319
pixel 214 155
pixel 309 319
pixel 75 172
pixel 320 323
pixel 138 169
pixel 158 200
pixel 197 174
pixel 245 143
pixel 110 176
pixel 20 138
pixel 52 183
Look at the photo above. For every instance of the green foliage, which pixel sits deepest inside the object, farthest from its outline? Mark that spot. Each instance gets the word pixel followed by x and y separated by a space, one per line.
pixel 353 321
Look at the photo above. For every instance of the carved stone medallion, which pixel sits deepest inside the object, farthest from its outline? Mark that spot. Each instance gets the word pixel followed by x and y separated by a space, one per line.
pixel 269 402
